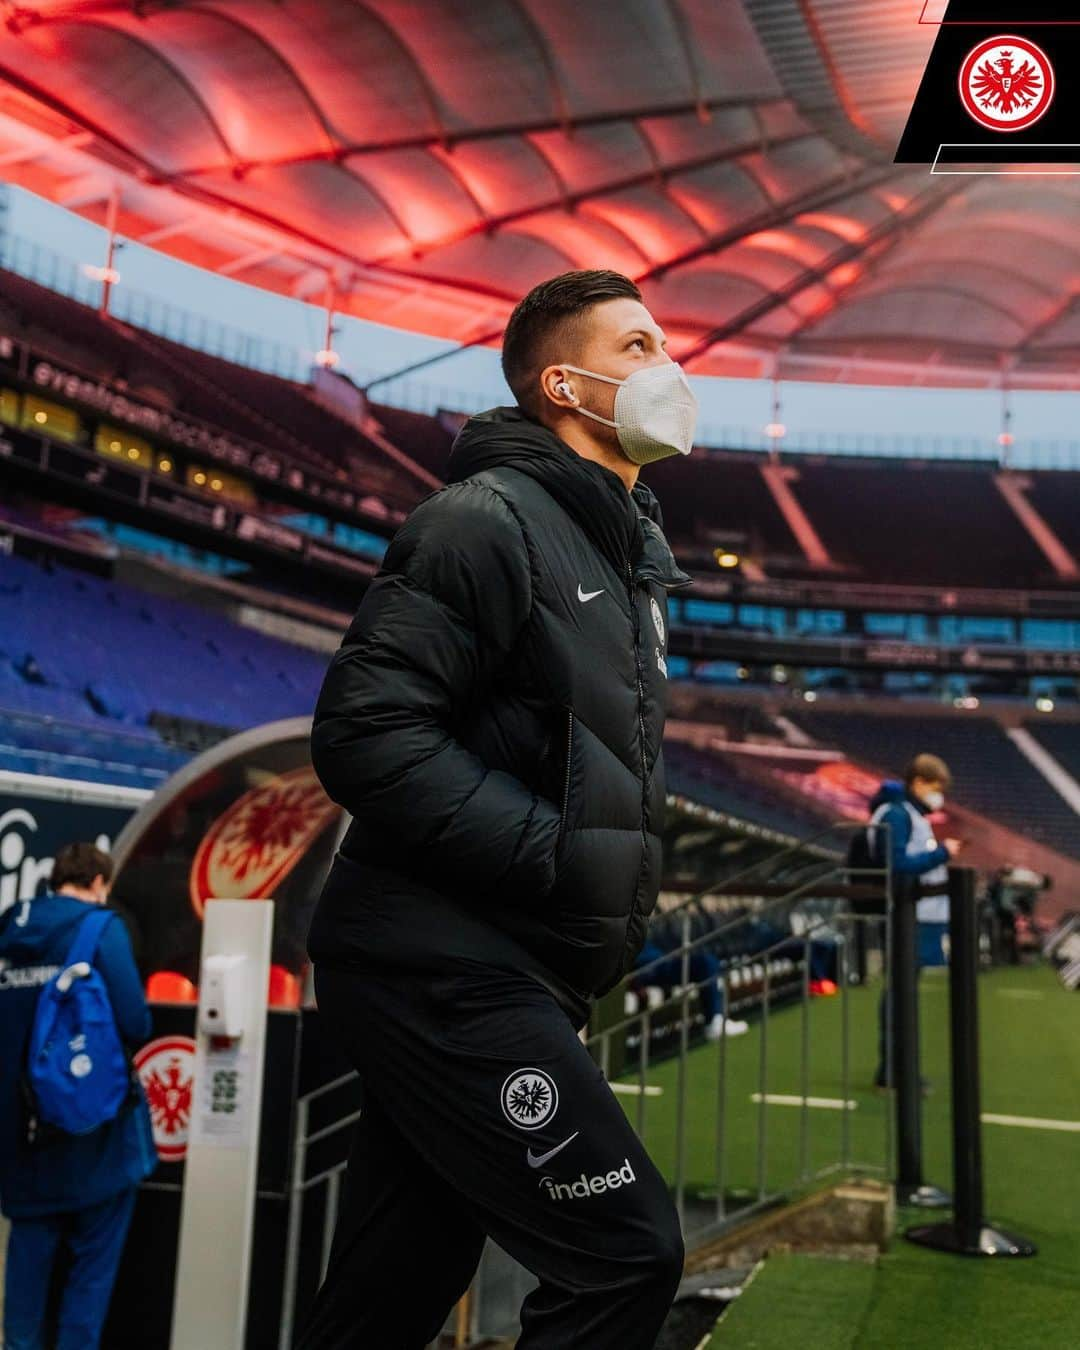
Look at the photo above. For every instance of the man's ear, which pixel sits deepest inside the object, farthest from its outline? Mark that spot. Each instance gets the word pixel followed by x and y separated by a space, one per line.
pixel 558 388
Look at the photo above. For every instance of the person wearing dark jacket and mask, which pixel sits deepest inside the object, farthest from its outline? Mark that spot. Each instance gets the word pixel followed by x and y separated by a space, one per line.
pixel 492 722
pixel 900 825
pixel 68 1197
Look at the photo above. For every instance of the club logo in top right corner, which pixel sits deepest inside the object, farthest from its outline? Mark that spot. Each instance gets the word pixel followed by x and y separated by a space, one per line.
pixel 1006 83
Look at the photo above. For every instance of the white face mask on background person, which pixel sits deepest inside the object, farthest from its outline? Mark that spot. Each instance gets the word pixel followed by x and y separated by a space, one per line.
pixel 655 411
pixel 934 801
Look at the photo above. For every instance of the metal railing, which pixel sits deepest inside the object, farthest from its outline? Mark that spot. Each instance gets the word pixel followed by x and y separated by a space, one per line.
pixel 328 1177
pixel 706 1110
pixel 771 986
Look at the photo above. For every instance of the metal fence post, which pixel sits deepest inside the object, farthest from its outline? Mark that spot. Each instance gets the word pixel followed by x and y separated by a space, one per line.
pixel 296 1211
pixel 684 1045
pixel 967 1233
pixel 763 1084
pixel 845 1042
pixel 643 1069
pixel 804 1084
pixel 721 1102
pixel 905 1079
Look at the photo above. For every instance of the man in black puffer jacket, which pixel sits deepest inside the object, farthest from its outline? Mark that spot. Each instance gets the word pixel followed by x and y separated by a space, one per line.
pixel 493 723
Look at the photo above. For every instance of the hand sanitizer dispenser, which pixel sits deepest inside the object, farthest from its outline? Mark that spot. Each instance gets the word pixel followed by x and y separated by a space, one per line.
pixel 223 997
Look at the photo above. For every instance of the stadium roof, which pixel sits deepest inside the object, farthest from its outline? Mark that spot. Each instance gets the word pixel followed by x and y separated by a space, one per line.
pixel 423 162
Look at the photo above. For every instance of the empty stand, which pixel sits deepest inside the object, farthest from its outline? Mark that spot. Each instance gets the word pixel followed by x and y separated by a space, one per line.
pixel 424 438
pixel 102 657
pixel 742 790
pixel 932 524
pixel 1062 739
pixel 991 775
pixel 716 494
pixel 1056 497
pixel 737 719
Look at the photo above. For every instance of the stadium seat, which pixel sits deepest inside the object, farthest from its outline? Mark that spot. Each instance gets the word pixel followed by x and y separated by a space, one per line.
pixel 167 986
pixel 285 988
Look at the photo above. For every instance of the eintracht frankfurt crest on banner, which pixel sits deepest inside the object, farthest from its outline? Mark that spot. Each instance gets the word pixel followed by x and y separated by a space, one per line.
pixel 261 837
pixel 1006 83
pixel 166 1069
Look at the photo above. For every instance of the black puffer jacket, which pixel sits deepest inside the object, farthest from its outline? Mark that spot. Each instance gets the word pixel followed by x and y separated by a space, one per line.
pixel 493 718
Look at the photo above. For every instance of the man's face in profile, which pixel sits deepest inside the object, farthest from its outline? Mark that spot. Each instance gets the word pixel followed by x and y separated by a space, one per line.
pixel 617 337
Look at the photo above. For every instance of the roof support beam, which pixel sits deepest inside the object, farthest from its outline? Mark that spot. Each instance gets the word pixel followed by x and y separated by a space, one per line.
pixel 246 260
pixel 932 201
pixel 569 201
pixel 41 149
pixel 443 137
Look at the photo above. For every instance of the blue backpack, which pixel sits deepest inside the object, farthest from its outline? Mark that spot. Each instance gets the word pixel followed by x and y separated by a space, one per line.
pixel 77 1071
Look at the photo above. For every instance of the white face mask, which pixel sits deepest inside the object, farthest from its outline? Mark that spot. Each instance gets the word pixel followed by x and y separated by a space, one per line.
pixel 655 412
pixel 934 801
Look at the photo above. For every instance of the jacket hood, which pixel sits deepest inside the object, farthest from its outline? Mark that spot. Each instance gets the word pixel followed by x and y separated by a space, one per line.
pixel 623 525
pixel 891 790
pixel 26 929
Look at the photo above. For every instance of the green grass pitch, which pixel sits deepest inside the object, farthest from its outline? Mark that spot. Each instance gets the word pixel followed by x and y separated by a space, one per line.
pixel 1030 1049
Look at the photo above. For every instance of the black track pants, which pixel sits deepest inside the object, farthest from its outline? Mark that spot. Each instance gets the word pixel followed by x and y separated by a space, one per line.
pixel 484 1114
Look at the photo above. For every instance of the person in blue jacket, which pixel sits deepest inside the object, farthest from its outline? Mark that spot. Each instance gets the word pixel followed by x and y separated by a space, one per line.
pixel 70 1194
pixel 905 809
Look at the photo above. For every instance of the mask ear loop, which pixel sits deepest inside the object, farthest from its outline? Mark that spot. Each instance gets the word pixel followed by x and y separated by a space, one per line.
pixel 592 375
pixel 607 379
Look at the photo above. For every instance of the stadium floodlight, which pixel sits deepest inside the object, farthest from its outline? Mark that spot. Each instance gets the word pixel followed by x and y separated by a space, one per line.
pixel 1044 704
pixel 776 431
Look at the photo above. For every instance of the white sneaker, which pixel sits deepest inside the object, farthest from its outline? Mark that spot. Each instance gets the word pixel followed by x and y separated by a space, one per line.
pixel 725 1026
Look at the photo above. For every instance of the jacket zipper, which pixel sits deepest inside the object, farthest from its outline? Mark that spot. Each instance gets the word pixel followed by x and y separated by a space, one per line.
pixel 640 703
pixel 566 783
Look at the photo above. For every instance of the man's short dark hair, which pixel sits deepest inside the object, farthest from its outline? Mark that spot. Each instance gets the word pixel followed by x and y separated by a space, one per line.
pixel 931 769
pixel 79 864
pixel 544 328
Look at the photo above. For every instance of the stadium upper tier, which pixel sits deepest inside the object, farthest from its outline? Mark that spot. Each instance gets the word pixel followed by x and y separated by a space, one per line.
pixel 425 163
pixel 213 430
pixel 80 346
